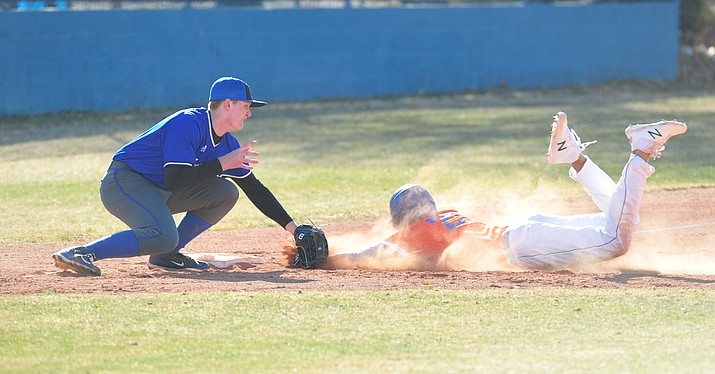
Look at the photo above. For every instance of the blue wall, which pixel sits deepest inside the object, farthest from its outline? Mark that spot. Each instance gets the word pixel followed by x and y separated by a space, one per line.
pixel 115 60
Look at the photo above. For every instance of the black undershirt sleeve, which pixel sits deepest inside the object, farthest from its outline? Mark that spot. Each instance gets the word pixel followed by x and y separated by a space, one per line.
pixel 263 199
pixel 177 177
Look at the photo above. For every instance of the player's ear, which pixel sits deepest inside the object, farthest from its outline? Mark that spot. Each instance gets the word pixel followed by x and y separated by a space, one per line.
pixel 227 104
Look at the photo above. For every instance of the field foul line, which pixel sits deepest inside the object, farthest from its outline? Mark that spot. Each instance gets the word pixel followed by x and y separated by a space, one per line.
pixel 672 228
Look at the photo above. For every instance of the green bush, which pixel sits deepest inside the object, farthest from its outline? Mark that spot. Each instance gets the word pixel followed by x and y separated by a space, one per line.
pixel 697 22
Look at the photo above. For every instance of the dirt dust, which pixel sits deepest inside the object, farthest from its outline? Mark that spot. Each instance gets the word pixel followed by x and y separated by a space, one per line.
pixel 674 247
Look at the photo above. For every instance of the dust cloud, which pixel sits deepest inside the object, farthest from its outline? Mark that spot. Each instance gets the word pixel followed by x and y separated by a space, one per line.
pixel 657 247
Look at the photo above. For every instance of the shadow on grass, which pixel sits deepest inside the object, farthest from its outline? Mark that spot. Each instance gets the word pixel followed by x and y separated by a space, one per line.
pixel 627 276
pixel 232 276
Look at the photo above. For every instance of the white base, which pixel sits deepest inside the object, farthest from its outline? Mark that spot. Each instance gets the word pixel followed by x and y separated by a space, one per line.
pixel 224 260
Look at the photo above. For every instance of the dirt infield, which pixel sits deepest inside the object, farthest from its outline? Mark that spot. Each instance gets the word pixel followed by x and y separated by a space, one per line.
pixel 675 247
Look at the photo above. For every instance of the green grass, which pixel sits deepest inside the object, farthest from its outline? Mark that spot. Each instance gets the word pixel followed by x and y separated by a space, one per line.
pixel 336 161
pixel 428 330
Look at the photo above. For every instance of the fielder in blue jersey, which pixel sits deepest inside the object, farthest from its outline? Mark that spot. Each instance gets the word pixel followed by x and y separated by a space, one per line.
pixel 184 163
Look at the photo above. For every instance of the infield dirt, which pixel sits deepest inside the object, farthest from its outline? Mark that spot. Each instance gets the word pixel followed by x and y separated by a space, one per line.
pixel 675 247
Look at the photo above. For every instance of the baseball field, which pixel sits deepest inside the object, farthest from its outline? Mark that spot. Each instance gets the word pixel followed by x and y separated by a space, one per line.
pixel 336 163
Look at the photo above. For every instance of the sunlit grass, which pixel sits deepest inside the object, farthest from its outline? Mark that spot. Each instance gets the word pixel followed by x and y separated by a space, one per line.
pixel 335 161
pixel 427 330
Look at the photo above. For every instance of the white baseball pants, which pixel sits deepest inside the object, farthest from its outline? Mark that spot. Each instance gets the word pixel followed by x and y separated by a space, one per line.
pixel 549 242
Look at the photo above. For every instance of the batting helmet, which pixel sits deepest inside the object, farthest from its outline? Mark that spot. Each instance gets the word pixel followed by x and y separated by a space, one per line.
pixel 409 204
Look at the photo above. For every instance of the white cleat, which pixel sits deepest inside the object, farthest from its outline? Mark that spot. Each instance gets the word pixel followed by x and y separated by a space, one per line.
pixel 651 137
pixel 565 146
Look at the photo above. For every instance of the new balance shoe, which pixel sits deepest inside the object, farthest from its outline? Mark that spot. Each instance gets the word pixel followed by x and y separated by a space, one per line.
pixel 78 259
pixel 651 137
pixel 565 146
pixel 175 261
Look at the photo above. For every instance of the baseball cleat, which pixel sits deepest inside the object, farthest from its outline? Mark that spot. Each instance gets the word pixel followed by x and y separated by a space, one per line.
pixel 565 146
pixel 77 259
pixel 651 137
pixel 175 261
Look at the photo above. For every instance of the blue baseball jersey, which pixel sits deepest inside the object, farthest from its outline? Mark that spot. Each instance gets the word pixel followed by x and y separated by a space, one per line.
pixel 183 138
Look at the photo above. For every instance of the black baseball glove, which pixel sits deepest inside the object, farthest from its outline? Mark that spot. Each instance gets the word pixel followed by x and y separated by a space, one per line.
pixel 311 245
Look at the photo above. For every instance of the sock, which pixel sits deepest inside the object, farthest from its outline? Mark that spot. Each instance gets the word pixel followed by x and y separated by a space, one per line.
pixel 189 228
pixel 121 244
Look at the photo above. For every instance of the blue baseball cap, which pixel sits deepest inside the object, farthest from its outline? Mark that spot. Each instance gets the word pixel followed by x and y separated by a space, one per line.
pixel 234 89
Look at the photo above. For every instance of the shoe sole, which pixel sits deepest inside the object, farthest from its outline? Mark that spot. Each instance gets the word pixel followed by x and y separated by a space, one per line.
pixel 681 129
pixel 65 264
pixel 552 152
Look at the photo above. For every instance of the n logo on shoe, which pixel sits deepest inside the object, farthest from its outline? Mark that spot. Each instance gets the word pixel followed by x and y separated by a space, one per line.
pixel 178 263
pixel 654 132
pixel 562 146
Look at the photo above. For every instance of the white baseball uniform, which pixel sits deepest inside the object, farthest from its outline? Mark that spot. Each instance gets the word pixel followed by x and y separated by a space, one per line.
pixel 555 242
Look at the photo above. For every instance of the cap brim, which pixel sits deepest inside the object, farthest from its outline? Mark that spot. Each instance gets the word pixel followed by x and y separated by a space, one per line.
pixel 257 103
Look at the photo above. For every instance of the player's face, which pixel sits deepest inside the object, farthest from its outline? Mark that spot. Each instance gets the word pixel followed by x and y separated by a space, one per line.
pixel 240 111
